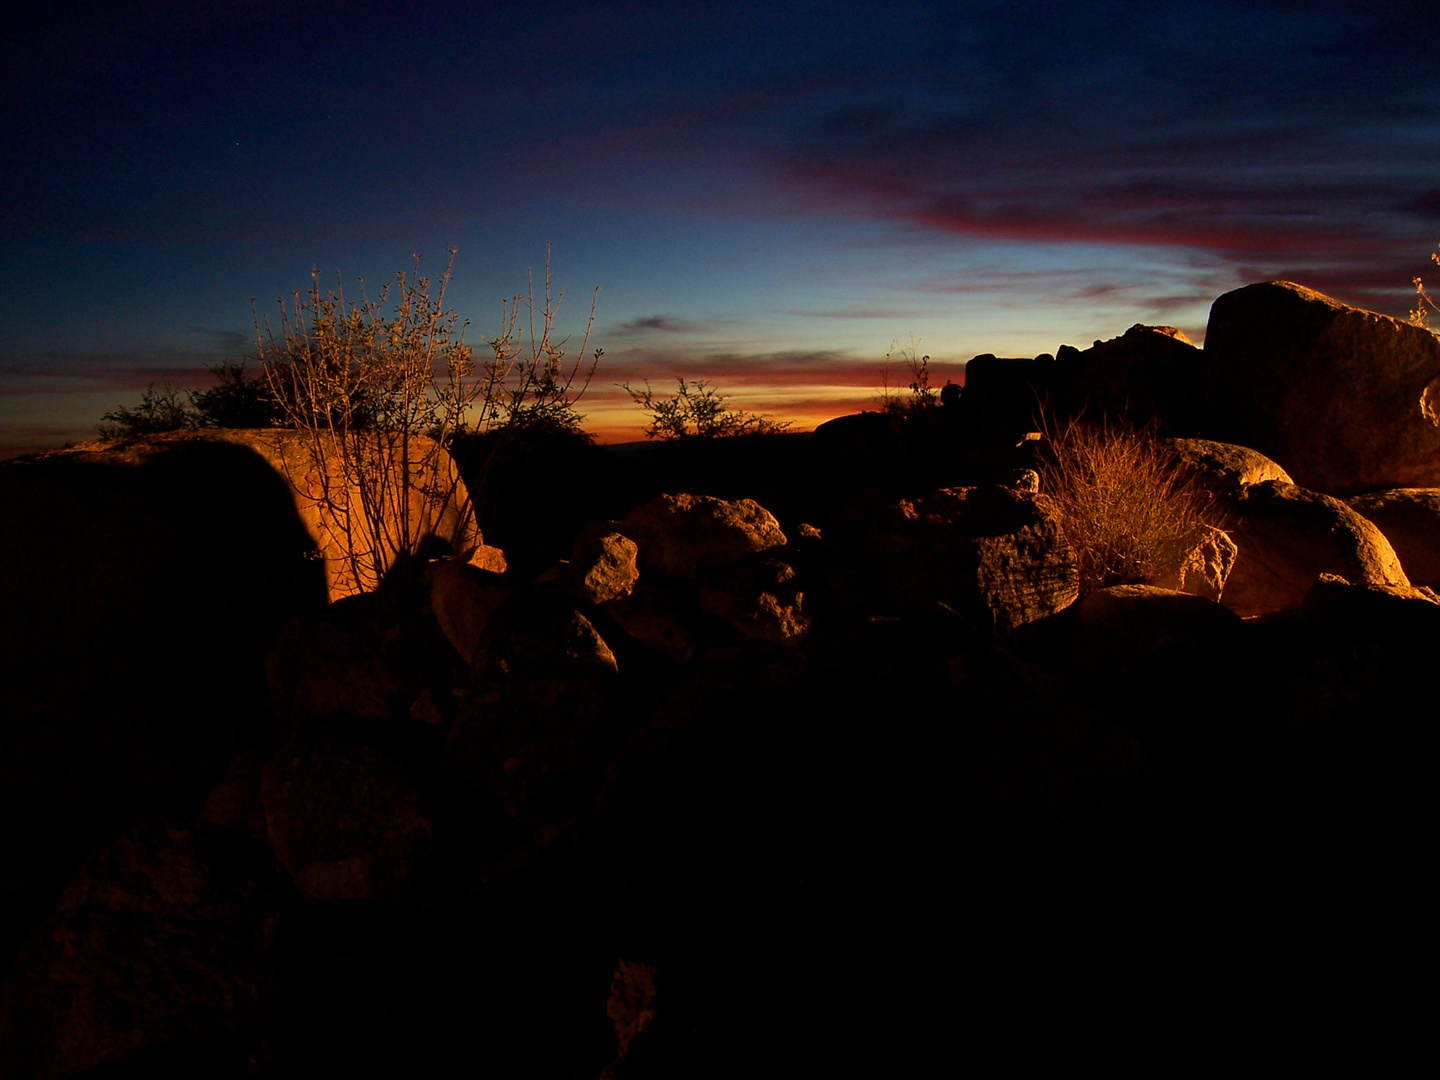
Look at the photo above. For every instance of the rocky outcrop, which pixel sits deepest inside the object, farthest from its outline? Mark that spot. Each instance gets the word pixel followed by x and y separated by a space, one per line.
pixel 679 535
pixel 1150 374
pixel 1410 520
pixel 1346 400
pixel 758 599
pixel 994 555
pixel 1287 537
pixel 1204 570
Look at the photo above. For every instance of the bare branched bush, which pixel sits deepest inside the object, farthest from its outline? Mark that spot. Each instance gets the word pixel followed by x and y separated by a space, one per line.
pixel 373 396
pixel 697 410
pixel 163 409
pixel 922 397
pixel 1127 506
pixel 1424 302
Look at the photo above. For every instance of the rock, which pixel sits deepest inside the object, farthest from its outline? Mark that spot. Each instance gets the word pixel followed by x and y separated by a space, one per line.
pixel 485 557
pixel 994 555
pixel 759 600
pixel 658 617
pixel 364 657
pixel 159 939
pixel 679 535
pixel 463 597
pixel 1151 374
pixel 1224 467
pixel 602 565
pixel 235 802
pixel 1346 400
pixel 1205 569
pixel 323 494
pixel 344 821
pixel 1410 520
pixel 139 592
pixel 534 729
pixel 1287 537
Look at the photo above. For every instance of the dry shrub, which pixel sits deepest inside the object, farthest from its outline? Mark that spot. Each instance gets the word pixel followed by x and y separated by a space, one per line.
pixel 1128 507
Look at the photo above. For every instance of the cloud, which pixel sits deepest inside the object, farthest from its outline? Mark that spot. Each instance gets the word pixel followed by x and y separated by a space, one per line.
pixel 665 324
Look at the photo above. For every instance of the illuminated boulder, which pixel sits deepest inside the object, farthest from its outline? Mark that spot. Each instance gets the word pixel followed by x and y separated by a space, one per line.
pixel 1410 520
pixel 1346 400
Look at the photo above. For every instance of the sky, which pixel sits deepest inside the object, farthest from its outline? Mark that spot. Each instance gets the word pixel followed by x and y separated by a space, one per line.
pixel 767 195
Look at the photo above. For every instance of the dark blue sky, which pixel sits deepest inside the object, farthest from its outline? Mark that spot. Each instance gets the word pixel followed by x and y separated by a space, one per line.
pixel 768 194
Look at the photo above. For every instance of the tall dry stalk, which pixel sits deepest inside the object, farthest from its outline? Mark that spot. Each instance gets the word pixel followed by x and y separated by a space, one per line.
pixel 1128 508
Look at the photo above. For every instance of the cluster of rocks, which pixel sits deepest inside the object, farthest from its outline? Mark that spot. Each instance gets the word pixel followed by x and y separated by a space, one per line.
pixel 828 787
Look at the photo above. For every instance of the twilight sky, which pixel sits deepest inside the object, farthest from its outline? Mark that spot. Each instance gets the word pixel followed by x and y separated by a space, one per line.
pixel 766 193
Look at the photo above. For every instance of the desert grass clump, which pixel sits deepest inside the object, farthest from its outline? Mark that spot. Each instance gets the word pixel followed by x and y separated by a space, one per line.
pixel 1130 510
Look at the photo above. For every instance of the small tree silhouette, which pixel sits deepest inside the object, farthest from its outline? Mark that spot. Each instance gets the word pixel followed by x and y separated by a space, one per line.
pixel 698 411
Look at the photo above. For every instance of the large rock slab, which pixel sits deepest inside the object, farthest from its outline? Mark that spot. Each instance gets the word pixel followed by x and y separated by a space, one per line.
pixel 1287 537
pixel 1346 400
pixel 1410 520
pixel 1225 467
pixel 1150 374
pixel 994 555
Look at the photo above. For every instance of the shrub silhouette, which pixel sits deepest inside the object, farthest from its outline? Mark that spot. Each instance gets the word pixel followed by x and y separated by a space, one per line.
pixel 1128 508
pixel 698 411
pixel 165 409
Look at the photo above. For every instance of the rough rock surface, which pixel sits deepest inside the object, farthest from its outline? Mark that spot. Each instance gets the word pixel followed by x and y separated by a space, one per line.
pixel 463 597
pixel 994 555
pixel 760 600
pixel 1287 537
pixel 158 939
pixel 1346 400
pixel 657 616
pixel 1205 569
pixel 601 567
pixel 1410 520
pixel 679 535
pixel 533 730
pixel 1224 467
pixel 344 821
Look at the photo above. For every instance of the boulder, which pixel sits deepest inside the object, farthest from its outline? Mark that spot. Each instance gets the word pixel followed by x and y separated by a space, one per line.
pixel 994 555
pixel 344 821
pixel 1287 537
pixel 364 657
pixel 659 617
pixel 463 597
pixel 534 729
pixel 139 592
pixel 601 567
pixel 679 535
pixel 327 495
pixel 1225 467
pixel 158 940
pixel 1346 400
pixel 1410 520
pixel 759 600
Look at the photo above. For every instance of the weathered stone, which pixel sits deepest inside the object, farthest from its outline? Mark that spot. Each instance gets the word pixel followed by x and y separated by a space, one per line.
pixel 1224 467
pixel 602 565
pixel 158 939
pixel 343 820
pixel 658 617
pixel 365 656
pixel 994 555
pixel 1410 520
pixel 1287 536
pixel 679 535
pixel 1205 569
pixel 534 725
pixel 1346 400
pixel 463 597
pixel 760 600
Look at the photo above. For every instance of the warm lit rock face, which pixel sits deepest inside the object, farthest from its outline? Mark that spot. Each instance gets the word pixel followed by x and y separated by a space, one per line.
pixel 1287 537
pixel 1410 520
pixel 1345 400
pixel 678 535
pixel 1225 467
pixel 995 555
